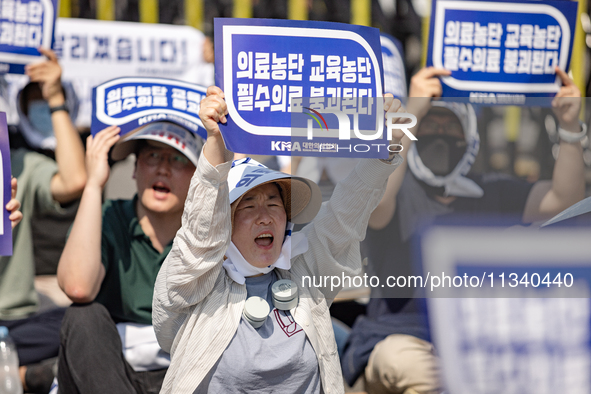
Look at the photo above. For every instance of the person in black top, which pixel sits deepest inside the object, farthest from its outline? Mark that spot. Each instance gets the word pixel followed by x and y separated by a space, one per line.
pixel 390 345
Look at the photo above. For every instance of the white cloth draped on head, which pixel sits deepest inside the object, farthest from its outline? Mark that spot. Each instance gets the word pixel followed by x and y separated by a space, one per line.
pixel 238 268
pixel 455 183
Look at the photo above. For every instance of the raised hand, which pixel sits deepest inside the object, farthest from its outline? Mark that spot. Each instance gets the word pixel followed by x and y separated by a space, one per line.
pixel 14 205
pixel 48 74
pixel 213 110
pixel 567 103
pixel 97 155
pixel 425 85
pixel 392 105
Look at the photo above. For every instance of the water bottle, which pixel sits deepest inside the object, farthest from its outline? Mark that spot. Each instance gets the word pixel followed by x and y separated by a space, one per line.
pixel 10 382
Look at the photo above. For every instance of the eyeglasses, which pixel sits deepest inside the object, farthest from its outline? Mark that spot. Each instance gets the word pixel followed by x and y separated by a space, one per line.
pixel 154 158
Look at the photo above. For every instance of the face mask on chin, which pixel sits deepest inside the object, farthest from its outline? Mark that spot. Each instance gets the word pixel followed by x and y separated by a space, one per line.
pixel 440 153
pixel 40 117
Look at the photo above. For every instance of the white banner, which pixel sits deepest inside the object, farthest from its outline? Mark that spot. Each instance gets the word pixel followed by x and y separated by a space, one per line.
pixel 92 52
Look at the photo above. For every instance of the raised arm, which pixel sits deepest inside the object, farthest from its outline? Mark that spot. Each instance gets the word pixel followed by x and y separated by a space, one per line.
pixel 424 85
pixel 80 271
pixel 194 263
pixel 568 180
pixel 335 234
pixel 70 179
pixel 213 110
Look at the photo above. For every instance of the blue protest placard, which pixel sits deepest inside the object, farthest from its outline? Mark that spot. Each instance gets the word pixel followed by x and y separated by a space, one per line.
pixel 5 190
pixel 95 51
pixel 25 25
pixel 134 102
pixel 393 61
pixel 277 72
pixel 501 52
pixel 509 309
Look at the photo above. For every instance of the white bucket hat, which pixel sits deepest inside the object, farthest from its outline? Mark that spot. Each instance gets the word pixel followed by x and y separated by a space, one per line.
pixel 301 197
pixel 171 134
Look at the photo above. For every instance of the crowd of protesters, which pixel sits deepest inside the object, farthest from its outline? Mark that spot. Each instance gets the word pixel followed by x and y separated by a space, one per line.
pixel 173 291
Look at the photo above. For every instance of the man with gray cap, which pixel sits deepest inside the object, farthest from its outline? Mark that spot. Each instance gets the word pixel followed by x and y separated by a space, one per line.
pixel 111 259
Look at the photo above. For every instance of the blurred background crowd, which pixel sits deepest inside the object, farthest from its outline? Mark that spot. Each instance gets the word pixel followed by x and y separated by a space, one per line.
pixel 516 141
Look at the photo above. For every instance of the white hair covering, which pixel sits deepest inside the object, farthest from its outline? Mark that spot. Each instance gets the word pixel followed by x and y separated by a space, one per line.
pixel 455 183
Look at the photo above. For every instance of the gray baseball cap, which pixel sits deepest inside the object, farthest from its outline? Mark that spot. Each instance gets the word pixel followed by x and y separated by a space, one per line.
pixel 186 142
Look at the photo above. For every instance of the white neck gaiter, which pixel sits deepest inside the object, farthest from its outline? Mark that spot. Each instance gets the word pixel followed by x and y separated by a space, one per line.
pixel 238 268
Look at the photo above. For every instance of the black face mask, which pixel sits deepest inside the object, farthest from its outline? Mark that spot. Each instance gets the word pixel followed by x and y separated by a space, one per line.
pixel 432 191
pixel 440 153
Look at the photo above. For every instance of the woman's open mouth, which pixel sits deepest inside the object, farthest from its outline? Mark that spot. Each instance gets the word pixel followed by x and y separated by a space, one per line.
pixel 264 240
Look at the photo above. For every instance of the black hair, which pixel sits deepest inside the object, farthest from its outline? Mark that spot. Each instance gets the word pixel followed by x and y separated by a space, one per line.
pixel 278 187
pixel 31 91
pixel 139 145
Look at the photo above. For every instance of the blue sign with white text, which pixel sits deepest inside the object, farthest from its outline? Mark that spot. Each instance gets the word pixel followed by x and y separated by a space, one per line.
pixel 500 52
pixel 510 309
pixel 25 25
pixel 134 102
pixel 265 68
pixel 394 72
pixel 5 189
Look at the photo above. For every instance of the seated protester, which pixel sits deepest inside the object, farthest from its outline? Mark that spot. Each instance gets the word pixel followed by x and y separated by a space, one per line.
pixel 111 259
pixel 46 186
pixel 390 346
pixel 234 246
pixel 48 227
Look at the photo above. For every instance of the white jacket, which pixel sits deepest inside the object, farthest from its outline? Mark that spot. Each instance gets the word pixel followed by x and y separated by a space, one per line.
pixel 197 307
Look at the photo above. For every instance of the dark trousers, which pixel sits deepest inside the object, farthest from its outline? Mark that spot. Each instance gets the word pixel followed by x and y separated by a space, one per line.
pixel 91 359
pixel 37 337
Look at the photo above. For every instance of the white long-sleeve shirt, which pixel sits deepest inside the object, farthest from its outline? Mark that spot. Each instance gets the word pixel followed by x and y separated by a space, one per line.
pixel 197 307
